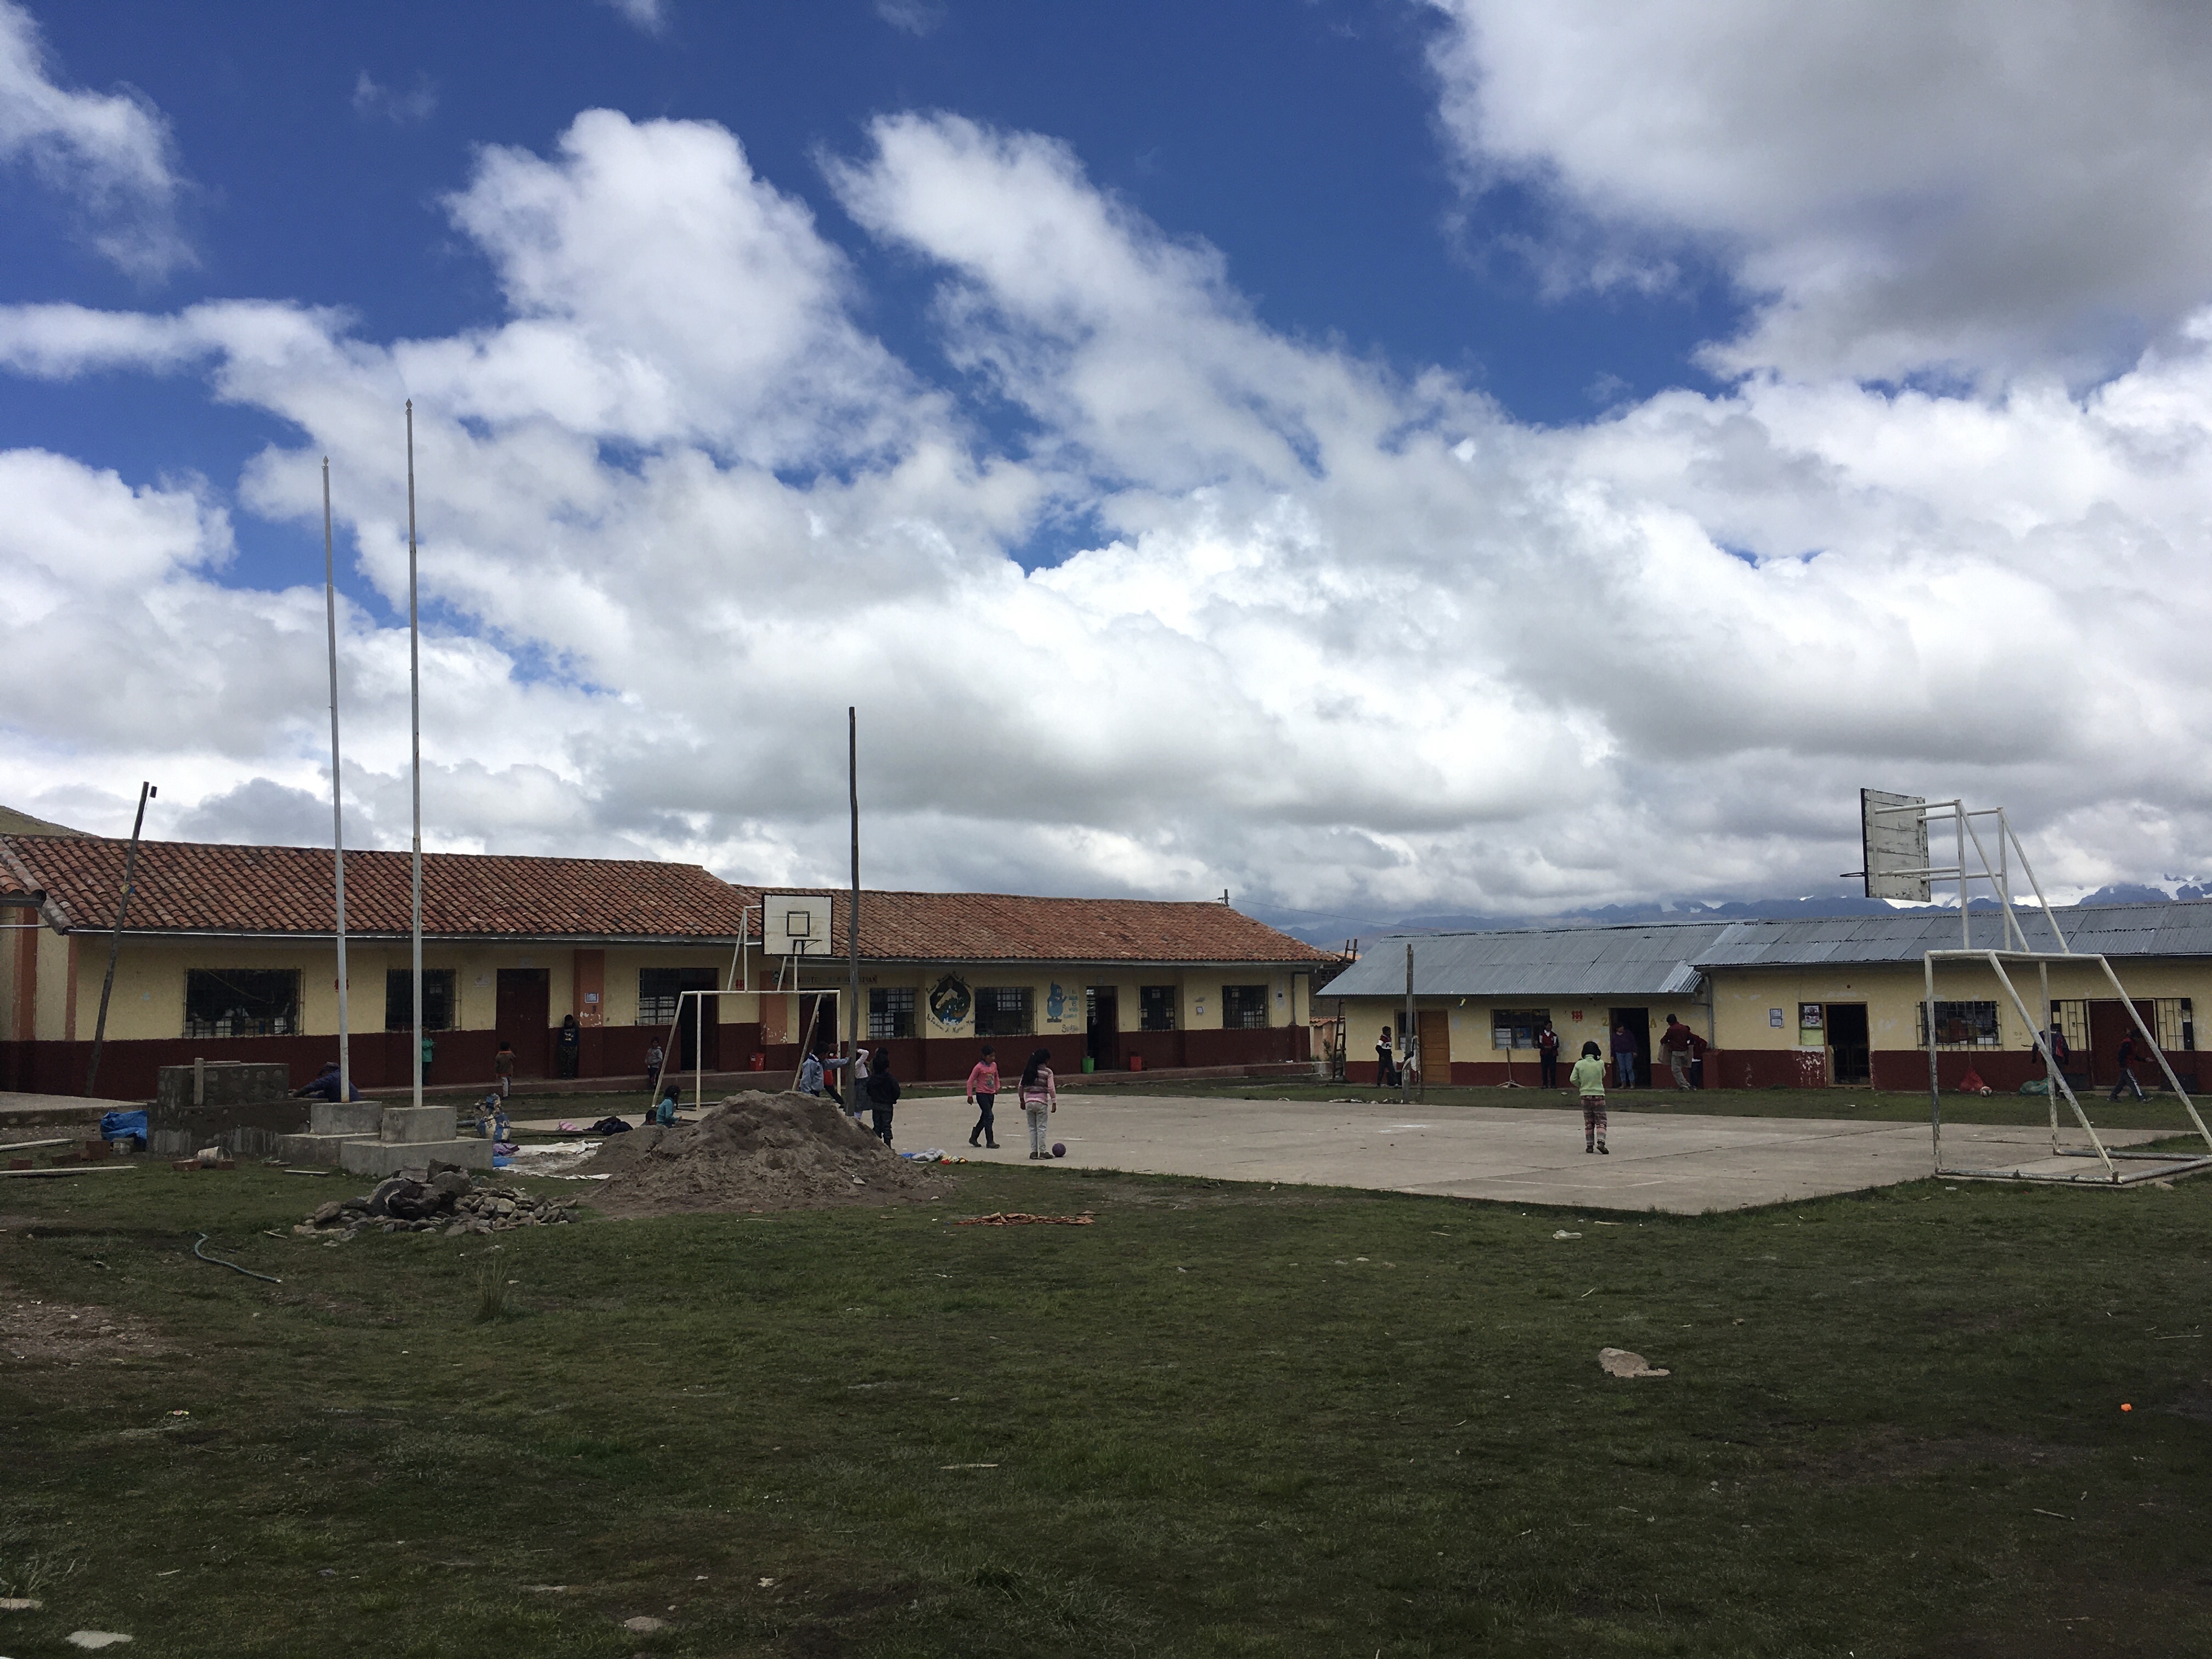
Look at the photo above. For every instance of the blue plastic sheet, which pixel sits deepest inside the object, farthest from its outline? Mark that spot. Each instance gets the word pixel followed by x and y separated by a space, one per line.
pixel 124 1126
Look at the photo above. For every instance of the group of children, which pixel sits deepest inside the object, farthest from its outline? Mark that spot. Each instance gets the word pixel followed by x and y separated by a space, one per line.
pixel 1040 1098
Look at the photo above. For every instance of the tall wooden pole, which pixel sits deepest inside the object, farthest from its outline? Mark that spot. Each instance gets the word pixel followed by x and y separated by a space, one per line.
pixel 337 793
pixel 115 939
pixel 415 721
pixel 853 916
pixel 1407 1035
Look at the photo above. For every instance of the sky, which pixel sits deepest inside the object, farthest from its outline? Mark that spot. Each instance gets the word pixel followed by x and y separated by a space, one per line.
pixel 1373 457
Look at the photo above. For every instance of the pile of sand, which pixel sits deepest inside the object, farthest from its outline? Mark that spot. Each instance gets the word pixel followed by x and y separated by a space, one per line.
pixel 756 1151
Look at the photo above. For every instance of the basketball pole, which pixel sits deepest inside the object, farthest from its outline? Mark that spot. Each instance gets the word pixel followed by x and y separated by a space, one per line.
pixel 337 805
pixel 415 725
pixel 853 916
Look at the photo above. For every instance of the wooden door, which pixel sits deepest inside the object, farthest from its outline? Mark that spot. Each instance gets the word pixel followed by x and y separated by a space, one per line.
pixel 524 1017
pixel 2108 1024
pixel 1432 1030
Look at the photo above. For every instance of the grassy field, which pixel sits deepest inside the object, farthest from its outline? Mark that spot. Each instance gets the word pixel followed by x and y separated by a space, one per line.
pixel 1222 1420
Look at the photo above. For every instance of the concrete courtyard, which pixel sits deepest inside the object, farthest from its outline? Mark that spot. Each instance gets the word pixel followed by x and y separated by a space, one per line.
pixel 1678 1162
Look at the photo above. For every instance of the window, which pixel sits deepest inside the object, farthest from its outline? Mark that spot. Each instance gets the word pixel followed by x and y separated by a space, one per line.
pixel 2072 1019
pixel 1155 1007
pixel 437 1000
pixel 2176 1025
pixel 891 1011
pixel 1516 1028
pixel 1244 1007
pixel 659 990
pixel 1002 1010
pixel 241 1002
pixel 1961 1024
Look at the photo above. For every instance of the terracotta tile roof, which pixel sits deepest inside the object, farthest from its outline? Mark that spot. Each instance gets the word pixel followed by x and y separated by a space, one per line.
pixel 218 888
pixel 1009 927
pixel 192 887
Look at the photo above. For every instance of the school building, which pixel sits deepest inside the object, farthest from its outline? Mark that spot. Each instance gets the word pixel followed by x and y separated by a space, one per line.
pixel 228 953
pixel 1827 1000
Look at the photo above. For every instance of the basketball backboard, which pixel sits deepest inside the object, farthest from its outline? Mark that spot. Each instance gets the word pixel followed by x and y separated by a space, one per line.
pixel 795 925
pixel 1896 846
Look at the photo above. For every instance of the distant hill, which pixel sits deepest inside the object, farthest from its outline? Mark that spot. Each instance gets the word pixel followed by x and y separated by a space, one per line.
pixel 13 823
pixel 1333 933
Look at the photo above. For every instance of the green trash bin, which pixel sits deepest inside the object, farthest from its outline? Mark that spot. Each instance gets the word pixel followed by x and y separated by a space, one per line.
pixel 1089 1063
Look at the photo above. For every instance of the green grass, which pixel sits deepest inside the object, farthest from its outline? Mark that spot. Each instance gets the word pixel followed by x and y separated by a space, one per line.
pixel 1224 1420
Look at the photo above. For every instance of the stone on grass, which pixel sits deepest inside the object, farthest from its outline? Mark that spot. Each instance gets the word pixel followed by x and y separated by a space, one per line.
pixel 1619 1362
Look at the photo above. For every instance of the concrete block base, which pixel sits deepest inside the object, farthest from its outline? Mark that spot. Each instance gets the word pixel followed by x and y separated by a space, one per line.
pixel 345 1117
pixel 416 1123
pixel 315 1148
pixel 386 1157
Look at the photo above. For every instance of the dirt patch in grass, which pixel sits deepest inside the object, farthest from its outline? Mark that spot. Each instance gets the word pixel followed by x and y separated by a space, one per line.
pixel 45 1332
pixel 758 1152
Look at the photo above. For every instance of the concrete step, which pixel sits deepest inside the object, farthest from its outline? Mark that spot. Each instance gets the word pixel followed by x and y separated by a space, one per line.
pixel 380 1158
pixel 345 1117
pixel 315 1148
pixel 413 1124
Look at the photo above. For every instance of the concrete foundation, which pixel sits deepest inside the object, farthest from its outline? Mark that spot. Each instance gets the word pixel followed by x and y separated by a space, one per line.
pixel 346 1117
pixel 313 1148
pixel 386 1157
pixel 416 1123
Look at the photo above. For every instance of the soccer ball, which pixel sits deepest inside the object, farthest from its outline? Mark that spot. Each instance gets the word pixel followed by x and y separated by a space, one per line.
pixel 1059 1150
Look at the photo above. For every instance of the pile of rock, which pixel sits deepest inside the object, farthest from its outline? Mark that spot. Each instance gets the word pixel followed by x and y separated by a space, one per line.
pixel 448 1202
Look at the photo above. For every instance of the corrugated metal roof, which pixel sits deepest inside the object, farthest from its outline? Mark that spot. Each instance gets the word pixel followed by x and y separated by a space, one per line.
pixel 1652 960
pixel 1665 958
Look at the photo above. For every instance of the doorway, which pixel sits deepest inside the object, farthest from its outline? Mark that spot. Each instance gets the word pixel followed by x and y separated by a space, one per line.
pixel 1639 1022
pixel 521 1014
pixel 2108 1024
pixel 1102 1027
pixel 1850 1050
pixel 1432 1031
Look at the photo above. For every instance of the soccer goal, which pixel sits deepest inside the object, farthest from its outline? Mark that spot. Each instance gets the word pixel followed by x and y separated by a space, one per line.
pixel 1894 830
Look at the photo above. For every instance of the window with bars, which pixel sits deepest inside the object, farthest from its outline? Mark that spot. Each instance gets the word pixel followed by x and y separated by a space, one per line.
pixel 891 1011
pixel 2176 1025
pixel 2072 1019
pixel 1244 1007
pixel 1156 1006
pixel 241 1002
pixel 437 1000
pixel 1003 1011
pixel 1516 1028
pixel 1962 1024
pixel 660 992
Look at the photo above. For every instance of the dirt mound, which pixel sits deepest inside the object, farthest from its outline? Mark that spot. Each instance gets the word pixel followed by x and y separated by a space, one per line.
pixel 756 1151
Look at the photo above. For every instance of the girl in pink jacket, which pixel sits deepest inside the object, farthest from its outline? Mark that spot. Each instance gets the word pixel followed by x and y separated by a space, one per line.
pixel 982 1091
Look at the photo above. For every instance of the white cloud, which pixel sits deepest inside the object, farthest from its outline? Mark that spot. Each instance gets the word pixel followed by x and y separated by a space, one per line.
pixel 1351 640
pixel 372 100
pixel 914 17
pixel 109 152
pixel 650 15
pixel 1992 185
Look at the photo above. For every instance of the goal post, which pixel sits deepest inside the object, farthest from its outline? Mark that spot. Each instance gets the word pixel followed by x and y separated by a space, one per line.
pixel 832 995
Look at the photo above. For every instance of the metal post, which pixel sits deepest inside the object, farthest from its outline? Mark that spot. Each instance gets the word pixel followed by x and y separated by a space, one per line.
pixel 115 939
pixel 699 1052
pixel 1965 925
pixel 1928 1031
pixel 2144 1031
pixel 414 723
pixel 1406 1034
pixel 2050 1065
pixel 337 793
pixel 2013 991
pixel 853 916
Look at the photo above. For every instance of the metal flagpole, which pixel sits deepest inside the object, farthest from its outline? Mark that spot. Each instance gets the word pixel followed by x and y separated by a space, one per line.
pixel 115 941
pixel 853 917
pixel 338 808
pixel 1406 1038
pixel 415 718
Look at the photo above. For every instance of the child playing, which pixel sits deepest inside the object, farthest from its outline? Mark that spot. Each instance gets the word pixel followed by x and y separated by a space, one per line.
pixel 1589 1079
pixel 983 1094
pixel 502 1068
pixel 1040 1100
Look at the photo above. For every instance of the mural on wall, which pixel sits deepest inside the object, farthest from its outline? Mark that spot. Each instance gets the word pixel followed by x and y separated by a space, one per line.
pixel 949 1000
pixel 1055 1004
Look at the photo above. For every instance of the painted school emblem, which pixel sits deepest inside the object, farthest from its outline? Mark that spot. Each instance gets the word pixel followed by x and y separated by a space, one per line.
pixel 950 1001
pixel 1055 1004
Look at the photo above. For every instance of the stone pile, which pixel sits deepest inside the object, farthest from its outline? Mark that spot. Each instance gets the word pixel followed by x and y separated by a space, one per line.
pixel 448 1202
